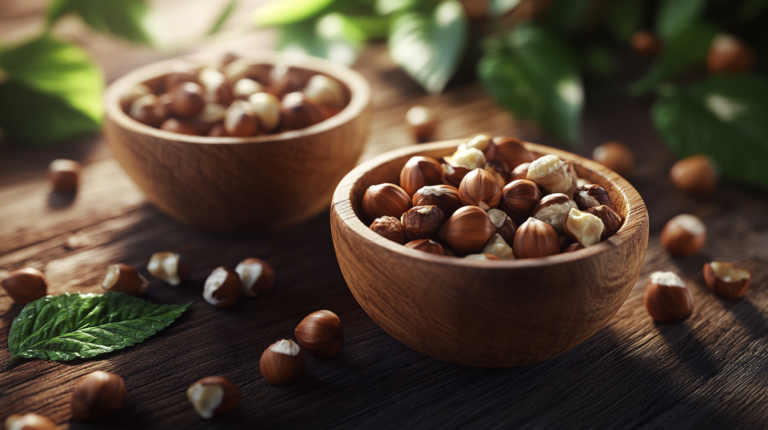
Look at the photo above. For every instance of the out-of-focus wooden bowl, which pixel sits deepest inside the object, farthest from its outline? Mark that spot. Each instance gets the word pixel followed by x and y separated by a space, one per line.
pixel 486 313
pixel 230 184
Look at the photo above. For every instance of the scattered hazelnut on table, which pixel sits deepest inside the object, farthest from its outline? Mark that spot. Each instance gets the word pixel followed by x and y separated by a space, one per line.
pixel 423 222
pixel 725 280
pixel 667 298
pixel 148 110
pixel 168 267
pixel 282 363
pixel 551 175
pixel 443 196
pixel 64 175
pixel 518 198
pixel 97 395
pixel 615 156
pixel 695 175
pixel 390 228
pixel 468 230
pixel 426 245
pixel 122 278
pixel 645 43
pixel 213 396
pixel 422 122
pixel 29 422
pixel 590 196
pixel 385 199
pixel 684 235
pixel 419 172
pixel 505 227
pixel 611 220
pixel 25 285
pixel 479 188
pixel 320 334
pixel 499 248
pixel 222 287
pixel 535 239
pixel 728 55
pixel 553 209
pixel 583 227
pixel 256 276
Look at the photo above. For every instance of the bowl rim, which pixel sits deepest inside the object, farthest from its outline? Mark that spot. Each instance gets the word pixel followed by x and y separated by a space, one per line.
pixel 637 212
pixel 359 89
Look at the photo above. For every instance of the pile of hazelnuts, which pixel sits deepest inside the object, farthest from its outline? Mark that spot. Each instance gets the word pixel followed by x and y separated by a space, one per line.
pixel 236 97
pixel 491 200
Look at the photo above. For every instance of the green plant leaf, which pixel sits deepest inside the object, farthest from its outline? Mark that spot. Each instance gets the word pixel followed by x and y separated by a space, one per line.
pixel 686 48
pixel 372 27
pixel 51 92
pixel 223 17
pixel 535 77
pixel 75 325
pixel 625 17
pixel 282 12
pixel 501 7
pixel 333 37
pixel 124 18
pixel 429 46
pixel 568 15
pixel 386 7
pixel 723 117
pixel 675 15
pixel 597 61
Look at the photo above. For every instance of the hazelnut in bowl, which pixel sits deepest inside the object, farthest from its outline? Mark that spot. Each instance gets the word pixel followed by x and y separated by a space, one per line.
pixel 477 267
pixel 242 142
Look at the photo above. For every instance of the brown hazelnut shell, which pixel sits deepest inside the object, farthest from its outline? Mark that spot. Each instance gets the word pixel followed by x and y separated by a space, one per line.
pixel 535 239
pixel 667 304
pixel 468 230
pixel 385 199
pixel 590 196
pixel 281 369
pixel 731 290
pixel 25 285
pixel 611 220
pixel 97 395
pixel 320 334
pixel 679 241
pixel 449 202
pixel 694 175
pixel 231 393
pixel 426 245
pixel 512 151
pixel 419 172
pixel 480 188
pixel 390 228
pixel 519 198
pixel 423 222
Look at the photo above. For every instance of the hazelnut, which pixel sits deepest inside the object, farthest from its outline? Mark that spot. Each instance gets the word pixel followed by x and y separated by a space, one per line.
pixel 504 224
pixel 583 227
pixel 256 276
pixel 481 257
pixel 25 285
pixel 217 89
pixel 615 156
pixel 213 396
pixel 445 197
pixel 29 422
pixel 423 222
pixel 217 131
pixel 427 245
pixel 222 288
pixel 667 299
pixel 725 280
pixel 266 108
pixel 611 220
pixel 212 114
pixel 181 72
pixel 479 188
pixel 419 172
pixel 728 55
pixel 519 172
pixel 179 126
pixel 64 175
pixel 390 228
pixel 535 239
pixel 285 79
pixel 168 267
pixel 553 209
pixel 422 122
pixel 468 230
pixel 166 100
pixel 695 175
pixel 461 163
pixel 385 199
pixel 645 44
pixel 296 112
pixel 148 110
pixel 573 247
pixel 245 88
pixel 97 395
pixel 239 121
pixel 590 196
pixel 551 175
pixel 519 198
pixel 282 363
pixel 513 152
pixel 227 59
pixel 684 235
pixel 242 68
pixel 320 334
pixel 188 99
pixel 499 248
pixel 500 171
pixel 322 90
pixel 482 142
pixel 122 278
pixel 133 93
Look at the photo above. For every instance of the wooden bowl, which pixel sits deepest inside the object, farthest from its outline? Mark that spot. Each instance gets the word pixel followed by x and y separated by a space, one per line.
pixel 230 184
pixel 486 313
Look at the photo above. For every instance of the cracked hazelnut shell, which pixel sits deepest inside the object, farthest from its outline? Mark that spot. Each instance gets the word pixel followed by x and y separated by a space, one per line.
pixel 256 276
pixel 282 363
pixel 222 287
pixel 611 220
pixel 169 267
pixel 667 298
pixel 505 227
pixel 725 280
pixel 590 196
pixel 122 278
pixel 213 396
pixel 390 228
pixel 553 209
pixel 423 222
pixel 443 196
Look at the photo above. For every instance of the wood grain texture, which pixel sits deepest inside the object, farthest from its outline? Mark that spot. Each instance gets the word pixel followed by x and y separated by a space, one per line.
pixel 486 313
pixel 241 184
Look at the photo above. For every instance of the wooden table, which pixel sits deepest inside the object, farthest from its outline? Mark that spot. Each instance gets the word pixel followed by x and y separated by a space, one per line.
pixel 711 371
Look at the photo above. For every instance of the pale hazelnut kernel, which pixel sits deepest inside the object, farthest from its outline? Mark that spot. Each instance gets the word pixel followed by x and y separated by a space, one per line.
pixel 583 227
pixel 169 267
pixel 553 209
pixel 222 287
pixel 325 91
pixel 245 87
pixel 266 108
pixel 470 158
pixel 213 396
pixel 499 247
pixel 256 276
pixel 504 224
pixel 550 173
pixel 481 257
pixel 29 422
pixel 212 113
pixel 726 280
pixel 481 142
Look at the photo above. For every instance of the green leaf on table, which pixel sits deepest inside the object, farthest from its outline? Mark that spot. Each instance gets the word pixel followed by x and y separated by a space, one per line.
pixel 685 49
pixel 124 18
pixel 51 92
pixel 723 117
pixel 674 16
pixel 625 18
pixel 428 46
pixel 223 17
pixel 77 325
pixel 333 37
pixel 282 12
pixel 535 78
